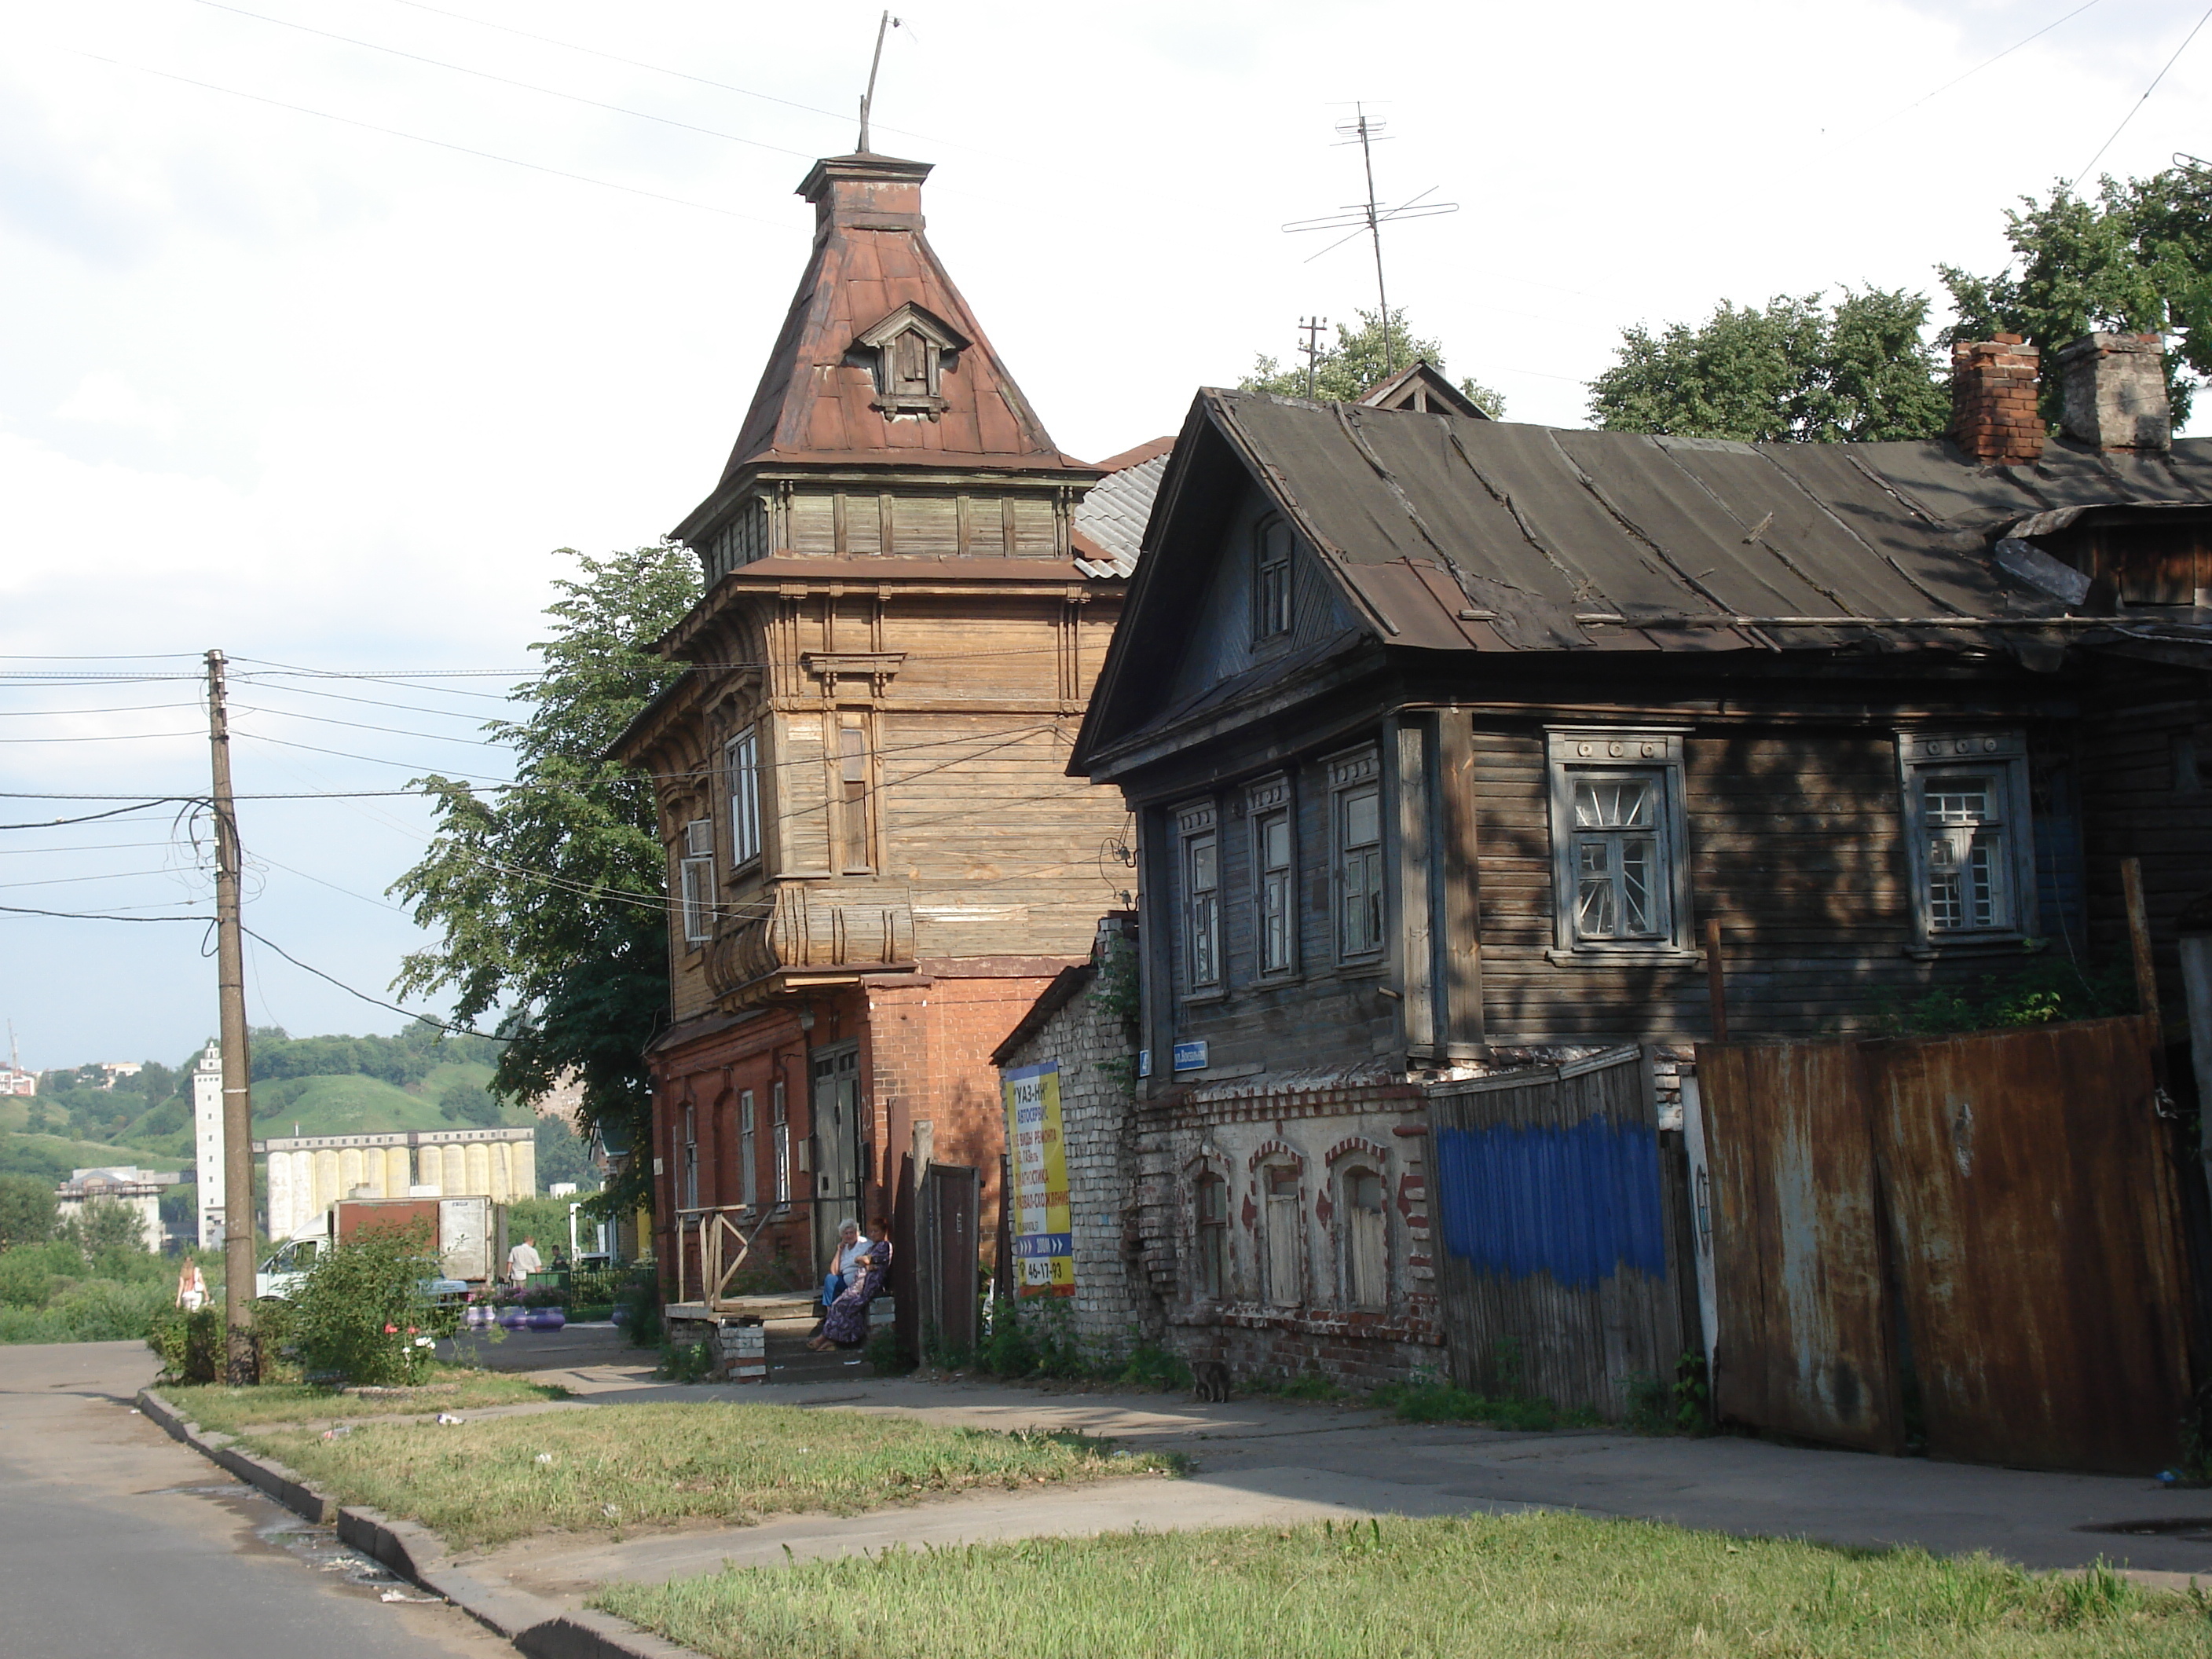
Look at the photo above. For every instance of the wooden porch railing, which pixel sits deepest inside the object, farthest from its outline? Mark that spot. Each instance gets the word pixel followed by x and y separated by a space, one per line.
pixel 717 1229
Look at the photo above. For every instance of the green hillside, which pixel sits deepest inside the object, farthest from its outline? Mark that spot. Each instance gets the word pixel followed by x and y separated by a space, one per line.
pixel 364 1105
pixel 56 1155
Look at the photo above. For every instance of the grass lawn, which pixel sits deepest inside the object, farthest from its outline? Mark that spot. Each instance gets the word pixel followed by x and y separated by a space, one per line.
pixel 1489 1586
pixel 451 1389
pixel 622 1466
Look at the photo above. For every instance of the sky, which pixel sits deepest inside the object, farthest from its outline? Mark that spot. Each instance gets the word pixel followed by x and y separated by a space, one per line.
pixel 324 323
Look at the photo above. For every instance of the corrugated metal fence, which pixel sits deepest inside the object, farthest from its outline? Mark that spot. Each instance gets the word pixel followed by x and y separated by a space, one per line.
pixel 1989 1222
pixel 1562 1258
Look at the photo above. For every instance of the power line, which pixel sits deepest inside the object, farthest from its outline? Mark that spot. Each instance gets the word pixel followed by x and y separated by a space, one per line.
pixel 2140 102
pixel 1987 61
pixel 378 1002
pixel 97 916
pixel 127 708
pixel 502 80
pixel 360 726
pixel 659 68
pixel 418 139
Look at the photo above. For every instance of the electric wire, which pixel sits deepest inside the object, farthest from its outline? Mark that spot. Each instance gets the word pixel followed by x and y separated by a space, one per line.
pixel 419 138
pixel 680 74
pixel 2134 108
pixel 427 1019
pixel 502 80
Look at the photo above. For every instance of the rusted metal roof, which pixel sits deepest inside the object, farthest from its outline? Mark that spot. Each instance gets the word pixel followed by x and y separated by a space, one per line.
pixel 1112 516
pixel 815 402
pixel 1458 534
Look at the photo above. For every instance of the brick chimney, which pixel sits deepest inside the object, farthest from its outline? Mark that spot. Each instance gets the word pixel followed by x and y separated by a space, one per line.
pixel 2114 389
pixel 1993 387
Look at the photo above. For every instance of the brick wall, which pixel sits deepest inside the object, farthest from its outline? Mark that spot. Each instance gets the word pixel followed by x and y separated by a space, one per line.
pixel 1094 1044
pixel 1993 400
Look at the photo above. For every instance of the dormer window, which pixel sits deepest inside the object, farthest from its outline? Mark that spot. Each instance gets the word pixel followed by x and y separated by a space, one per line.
pixel 909 353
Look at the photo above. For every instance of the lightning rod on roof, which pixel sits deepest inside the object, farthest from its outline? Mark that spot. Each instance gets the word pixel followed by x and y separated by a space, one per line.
pixel 1370 215
pixel 886 27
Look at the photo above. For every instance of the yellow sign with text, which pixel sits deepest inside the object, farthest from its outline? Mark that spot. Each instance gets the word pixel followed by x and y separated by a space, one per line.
pixel 1043 1234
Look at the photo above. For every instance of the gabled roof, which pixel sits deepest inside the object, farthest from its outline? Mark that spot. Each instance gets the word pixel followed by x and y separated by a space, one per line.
pixel 870 259
pixel 1451 534
pixel 1421 386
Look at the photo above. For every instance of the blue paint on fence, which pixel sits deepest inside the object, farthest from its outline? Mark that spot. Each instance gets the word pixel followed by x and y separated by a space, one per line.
pixel 1580 1203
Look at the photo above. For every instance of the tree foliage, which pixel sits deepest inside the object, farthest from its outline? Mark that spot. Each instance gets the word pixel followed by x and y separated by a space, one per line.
pixel 1798 371
pixel 2136 259
pixel 362 1314
pixel 552 893
pixel 26 1211
pixel 1357 360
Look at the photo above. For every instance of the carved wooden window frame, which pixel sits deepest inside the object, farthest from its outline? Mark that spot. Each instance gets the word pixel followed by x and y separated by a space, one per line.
pixel 1358 872
pixel 1577 754
pixel 1199 931
pixel 1268 803
pixel 1924 756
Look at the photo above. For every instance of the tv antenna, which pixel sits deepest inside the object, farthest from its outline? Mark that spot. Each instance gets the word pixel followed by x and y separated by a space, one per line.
pixel 884 27
pixel 1311 328
pixel 1370 215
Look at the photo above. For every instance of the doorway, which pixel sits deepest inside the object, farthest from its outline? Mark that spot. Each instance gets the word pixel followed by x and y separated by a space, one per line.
pixel 835 1144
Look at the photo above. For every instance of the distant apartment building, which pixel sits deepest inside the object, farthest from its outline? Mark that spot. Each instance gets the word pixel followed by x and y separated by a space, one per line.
pixel 14 1080
pixel 136 1190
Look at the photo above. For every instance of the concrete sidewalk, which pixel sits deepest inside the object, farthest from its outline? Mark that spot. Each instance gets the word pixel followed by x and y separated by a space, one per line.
pixel 1268 1462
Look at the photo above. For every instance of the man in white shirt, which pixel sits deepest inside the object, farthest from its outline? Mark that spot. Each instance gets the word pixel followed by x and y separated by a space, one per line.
pixel 522 1261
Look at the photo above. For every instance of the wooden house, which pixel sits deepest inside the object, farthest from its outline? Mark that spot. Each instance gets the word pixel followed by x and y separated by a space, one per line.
pixel 1446 737
pixel 877 855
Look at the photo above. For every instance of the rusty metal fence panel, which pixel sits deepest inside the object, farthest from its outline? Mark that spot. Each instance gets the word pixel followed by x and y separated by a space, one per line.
pixel 2042 1274
pixel 2004 1198
pixel 947 1283
pixel 1556 1248
pixel 1805 1337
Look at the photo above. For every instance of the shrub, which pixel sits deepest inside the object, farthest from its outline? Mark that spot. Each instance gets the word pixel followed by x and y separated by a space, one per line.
pixel 361 1314
pixel 190 1344
pixel 26 1211
pixel 639 1304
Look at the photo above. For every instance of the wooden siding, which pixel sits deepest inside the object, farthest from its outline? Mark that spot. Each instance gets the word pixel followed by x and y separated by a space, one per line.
pixel 2135 803
pixel 910 524
pixel 1220 637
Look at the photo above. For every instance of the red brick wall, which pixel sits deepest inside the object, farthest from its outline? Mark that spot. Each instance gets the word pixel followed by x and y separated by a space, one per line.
pixel 1993 394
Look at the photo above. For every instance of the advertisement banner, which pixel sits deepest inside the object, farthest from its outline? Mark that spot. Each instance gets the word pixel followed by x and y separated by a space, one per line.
pixel 1044 1238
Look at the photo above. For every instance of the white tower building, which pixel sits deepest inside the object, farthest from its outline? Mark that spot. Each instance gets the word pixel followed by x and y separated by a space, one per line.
pixel 207 1136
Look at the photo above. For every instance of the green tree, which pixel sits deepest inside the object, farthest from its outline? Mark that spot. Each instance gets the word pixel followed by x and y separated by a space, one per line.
pixel 2136 259
pixel 1357 360
pixel 1799 371
pixel 26 1211
pixel 103 1227
pixel 552 893
pixel 464 1102
pixel 562 1157
pixel 362 1314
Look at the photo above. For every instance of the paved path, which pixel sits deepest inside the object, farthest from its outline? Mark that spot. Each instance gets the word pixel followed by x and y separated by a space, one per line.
pixel 114 1539
pixel 1266 1462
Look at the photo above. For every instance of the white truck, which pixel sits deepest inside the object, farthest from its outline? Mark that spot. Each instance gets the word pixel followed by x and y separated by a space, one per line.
pixel 470 1238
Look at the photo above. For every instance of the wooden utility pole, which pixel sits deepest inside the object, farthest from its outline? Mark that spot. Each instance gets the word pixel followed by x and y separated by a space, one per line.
pixel 237 1098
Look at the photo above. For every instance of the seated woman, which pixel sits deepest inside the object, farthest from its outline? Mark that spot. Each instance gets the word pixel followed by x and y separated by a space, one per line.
pixel 847 1323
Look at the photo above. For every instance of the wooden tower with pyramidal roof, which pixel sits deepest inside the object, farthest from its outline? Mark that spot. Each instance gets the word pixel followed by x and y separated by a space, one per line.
pixel 877 857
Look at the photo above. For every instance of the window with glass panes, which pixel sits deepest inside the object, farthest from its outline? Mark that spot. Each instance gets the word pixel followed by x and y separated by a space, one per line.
pixel 1200 910
pixel 1966 805
pixel 1271 582
pixel 748 1159
pixel 1621 872
pixel 696 881
pixel 742 759
pixel 1619 856
pixel 1212 1237
pixel 1274 875
pixel 1356 821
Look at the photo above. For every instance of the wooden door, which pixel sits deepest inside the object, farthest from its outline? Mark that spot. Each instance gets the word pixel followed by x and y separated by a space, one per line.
pixel 834 1142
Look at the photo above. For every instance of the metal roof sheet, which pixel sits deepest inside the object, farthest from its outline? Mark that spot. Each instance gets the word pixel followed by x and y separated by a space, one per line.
pixel 1114 512
pixel 1549 539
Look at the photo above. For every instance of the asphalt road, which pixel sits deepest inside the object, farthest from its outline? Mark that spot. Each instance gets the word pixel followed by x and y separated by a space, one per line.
pixel 116 1541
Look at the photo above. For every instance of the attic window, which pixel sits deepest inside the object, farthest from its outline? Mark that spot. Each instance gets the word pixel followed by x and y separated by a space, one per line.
pixel 909 353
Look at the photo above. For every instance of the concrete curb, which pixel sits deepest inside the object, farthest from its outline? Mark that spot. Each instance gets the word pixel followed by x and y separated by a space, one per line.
pixel 536 1627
